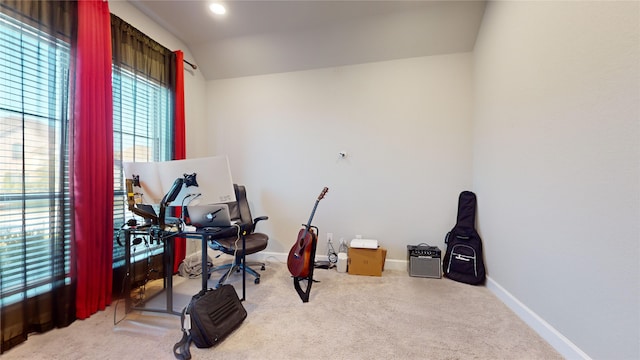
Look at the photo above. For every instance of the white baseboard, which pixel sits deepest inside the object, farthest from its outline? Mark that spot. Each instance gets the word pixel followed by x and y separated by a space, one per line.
pixel 559 342
pixel 389 264
pixel 392 264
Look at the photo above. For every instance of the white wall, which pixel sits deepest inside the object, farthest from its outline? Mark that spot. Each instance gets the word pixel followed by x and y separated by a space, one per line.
pixel 405 126
pixel 554 161
pixel 196 121
pixel 556 165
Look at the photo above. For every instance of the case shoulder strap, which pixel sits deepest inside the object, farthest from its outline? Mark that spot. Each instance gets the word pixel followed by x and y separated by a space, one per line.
pixel 181 349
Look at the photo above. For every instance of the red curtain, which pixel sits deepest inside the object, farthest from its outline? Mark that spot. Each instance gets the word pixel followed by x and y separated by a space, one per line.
pixel 92 154
pixel 179 142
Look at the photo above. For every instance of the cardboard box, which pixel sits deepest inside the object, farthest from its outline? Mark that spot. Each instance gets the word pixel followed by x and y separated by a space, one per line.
pixel 366 261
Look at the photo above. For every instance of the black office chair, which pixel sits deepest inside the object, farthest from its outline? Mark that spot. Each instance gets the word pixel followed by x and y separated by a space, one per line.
pixel 226 241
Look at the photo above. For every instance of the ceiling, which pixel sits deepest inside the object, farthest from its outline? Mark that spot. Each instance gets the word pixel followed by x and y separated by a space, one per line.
pixel 262 37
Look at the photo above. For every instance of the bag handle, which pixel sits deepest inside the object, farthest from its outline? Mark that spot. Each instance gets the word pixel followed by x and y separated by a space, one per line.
pixel 181 348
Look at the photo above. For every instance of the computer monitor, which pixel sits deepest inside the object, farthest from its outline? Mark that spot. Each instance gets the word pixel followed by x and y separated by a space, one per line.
pixel 210 177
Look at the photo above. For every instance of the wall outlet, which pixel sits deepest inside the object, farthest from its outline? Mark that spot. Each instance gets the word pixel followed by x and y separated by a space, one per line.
pixel 329 236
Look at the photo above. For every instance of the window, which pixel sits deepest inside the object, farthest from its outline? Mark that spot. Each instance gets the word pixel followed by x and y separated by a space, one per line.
pixel 142 115
pixel 141 121
pixel 34 189
pixel 35 208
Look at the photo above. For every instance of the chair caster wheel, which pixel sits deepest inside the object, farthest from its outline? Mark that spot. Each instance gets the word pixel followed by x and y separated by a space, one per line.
pixel 257 281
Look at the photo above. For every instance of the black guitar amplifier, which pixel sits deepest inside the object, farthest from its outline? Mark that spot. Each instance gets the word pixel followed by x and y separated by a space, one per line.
pixel 424 261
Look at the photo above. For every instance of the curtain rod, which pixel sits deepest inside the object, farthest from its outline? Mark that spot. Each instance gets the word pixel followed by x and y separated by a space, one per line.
pixel 190 64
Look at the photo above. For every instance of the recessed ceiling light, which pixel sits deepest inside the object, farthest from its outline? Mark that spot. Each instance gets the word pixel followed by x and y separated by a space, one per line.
pixel 217 9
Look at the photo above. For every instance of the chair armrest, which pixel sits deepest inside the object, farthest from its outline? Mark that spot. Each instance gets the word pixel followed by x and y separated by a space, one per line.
pixel 259 218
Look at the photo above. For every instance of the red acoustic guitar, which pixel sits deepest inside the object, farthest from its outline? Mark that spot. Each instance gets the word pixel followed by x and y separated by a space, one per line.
pixel 299 261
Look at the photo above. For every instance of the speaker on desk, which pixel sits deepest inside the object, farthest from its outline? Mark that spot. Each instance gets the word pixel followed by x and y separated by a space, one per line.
pixel 424 261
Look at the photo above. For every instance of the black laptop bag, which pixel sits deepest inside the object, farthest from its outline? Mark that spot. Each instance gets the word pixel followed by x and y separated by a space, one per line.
pixel 209 317
pixel 463 259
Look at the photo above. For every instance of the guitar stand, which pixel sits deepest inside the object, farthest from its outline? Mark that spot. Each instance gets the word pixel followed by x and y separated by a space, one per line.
pixel 304 294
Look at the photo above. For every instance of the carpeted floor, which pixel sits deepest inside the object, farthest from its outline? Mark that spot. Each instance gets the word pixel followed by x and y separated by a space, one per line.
pixel 347 317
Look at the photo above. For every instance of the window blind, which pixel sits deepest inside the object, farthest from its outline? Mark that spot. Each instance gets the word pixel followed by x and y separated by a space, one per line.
pixel 141 121
pixel 34 189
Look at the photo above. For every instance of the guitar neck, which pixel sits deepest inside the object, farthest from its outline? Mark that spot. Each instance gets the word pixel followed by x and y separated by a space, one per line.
pixel 315 206
pixel 313 212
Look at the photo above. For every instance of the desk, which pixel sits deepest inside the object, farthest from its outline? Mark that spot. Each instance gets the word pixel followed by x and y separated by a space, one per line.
pixel 167 238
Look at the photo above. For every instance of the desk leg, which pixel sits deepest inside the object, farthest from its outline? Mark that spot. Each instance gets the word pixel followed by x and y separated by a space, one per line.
pixel 127 271
pixel 167 265
pixel 205 264
pixel 244 264
pixel 168 268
